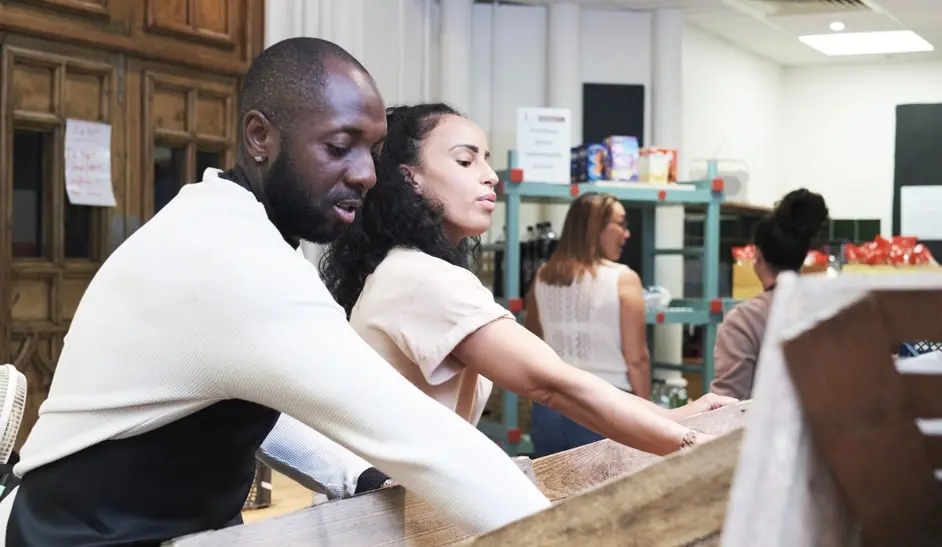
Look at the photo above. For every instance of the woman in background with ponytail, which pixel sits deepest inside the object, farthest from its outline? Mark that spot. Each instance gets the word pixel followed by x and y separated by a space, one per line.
pixel 783 239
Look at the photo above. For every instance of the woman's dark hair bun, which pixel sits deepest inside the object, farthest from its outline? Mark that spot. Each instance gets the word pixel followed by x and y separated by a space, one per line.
pixel 801 213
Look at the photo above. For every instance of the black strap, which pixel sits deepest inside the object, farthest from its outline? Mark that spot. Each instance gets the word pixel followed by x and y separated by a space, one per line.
pixel 238 176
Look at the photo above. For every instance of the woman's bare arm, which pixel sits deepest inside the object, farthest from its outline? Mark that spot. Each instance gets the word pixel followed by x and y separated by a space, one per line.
pixel 634 329
pixel 515 359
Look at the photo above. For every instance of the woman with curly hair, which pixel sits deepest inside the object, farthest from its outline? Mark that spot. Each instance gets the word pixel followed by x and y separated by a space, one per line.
pixel 400 270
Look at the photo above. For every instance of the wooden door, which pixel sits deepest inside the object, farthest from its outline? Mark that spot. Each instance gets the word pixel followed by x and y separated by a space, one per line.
pixel 219 36
pixel 164 74
pixel 185 122
pixel 51 248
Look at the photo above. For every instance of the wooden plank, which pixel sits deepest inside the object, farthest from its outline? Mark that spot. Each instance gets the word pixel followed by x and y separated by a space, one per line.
pixel 573 471
pixel 783 494
pixel 394 517
pixel 864 415
pixel 833 444
pixel 865 412
pixel 373 518
pixel 681 501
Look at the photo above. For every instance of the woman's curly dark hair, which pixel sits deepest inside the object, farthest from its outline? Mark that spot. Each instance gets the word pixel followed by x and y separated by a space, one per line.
pixel 393 213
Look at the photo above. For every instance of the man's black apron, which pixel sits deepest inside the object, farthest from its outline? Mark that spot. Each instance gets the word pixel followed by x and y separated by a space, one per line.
pixel 188 476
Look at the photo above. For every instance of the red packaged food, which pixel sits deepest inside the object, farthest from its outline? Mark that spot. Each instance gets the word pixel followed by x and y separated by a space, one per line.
pixel 921 255
pixel 746 253
pixel 876 252
pixel 816 258
pixel 851 253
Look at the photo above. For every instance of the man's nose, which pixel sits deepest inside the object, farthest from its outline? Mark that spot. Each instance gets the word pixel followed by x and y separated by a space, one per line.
pixel 362 173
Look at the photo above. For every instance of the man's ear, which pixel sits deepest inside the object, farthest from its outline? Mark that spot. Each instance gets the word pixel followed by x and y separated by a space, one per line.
pixel 260 136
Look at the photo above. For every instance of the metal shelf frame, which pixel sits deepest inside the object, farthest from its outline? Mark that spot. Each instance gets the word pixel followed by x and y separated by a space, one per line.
pixel 706 312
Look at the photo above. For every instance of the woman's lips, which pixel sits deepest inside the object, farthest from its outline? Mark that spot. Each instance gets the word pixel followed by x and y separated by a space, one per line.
pixel 488 201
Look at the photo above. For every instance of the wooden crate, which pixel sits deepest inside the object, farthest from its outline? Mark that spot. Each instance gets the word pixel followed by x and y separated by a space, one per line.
pixel 679 502
pixel 834 455
pixel 393 516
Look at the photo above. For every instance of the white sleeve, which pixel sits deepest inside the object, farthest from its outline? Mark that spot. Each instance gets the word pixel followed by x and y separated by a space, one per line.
pixel 281 341
pixel 314 461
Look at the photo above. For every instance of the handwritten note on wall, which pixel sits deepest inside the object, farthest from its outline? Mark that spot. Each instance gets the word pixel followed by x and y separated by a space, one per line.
pixel 88 163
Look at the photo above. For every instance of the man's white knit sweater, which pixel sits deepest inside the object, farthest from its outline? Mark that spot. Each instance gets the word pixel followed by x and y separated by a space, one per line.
pixel 206 302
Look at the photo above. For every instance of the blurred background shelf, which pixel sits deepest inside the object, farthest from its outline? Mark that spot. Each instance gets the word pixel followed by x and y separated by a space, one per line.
pixel 507 418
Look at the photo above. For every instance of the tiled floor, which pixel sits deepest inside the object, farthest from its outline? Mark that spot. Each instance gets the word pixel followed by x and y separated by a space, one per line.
pixel 286 496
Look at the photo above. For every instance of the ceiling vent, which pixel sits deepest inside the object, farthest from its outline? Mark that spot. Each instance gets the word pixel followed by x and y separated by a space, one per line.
pixel 807 7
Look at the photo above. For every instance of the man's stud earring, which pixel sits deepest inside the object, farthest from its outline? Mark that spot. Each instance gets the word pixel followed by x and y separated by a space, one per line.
pixel 259 159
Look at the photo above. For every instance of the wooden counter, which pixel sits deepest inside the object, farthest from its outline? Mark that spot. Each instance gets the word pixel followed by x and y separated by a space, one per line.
pixel 393 516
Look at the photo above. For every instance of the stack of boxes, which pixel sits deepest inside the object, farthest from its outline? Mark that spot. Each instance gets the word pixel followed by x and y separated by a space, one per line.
pixel 621 159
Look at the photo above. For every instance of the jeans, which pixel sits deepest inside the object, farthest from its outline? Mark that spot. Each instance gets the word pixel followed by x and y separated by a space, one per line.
pixel 551 432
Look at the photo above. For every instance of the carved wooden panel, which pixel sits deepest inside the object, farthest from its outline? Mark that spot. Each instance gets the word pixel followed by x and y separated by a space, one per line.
pixel 189 124
pixel 85 8
pixel 34 79
pixel 220 36
pixel 38 365
pixel 51 248
pixel 212 21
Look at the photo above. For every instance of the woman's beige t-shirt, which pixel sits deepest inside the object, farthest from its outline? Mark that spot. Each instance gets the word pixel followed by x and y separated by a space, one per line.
pixel 414 310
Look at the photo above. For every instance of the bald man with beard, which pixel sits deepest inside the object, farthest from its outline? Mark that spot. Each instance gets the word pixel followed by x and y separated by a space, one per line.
pixel 206 325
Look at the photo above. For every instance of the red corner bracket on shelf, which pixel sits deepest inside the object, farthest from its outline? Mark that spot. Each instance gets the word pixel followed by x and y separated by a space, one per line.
pixel 514 435
pixel 515 305
pixel 718 185
pixel 516 175
pixel 716 306
pixel 574 190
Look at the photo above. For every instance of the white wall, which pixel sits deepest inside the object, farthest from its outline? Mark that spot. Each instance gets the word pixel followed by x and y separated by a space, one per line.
pixel 732 102
pixel 615 47
pixel 508 49
pixel 731 97
pixel 389 37
pixel 839 124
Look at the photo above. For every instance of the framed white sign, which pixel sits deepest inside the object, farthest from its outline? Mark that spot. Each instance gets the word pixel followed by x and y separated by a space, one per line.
pixel 544 144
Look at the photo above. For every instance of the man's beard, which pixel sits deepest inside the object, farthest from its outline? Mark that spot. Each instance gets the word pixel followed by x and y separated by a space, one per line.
pixel 294 210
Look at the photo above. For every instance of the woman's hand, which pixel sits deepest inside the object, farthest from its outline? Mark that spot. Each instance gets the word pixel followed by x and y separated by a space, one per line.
pixel 710 401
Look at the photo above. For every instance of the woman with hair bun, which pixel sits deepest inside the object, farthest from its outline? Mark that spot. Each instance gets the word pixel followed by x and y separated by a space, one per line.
pixel 782 239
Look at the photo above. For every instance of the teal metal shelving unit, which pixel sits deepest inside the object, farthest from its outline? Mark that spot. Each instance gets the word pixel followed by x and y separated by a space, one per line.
pixel 706 312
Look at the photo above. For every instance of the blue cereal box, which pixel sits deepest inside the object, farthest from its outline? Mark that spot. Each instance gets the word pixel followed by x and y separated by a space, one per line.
pixel 596 158
pixel 623 155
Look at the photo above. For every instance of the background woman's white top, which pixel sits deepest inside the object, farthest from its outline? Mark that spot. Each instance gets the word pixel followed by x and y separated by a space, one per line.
pixel 581 323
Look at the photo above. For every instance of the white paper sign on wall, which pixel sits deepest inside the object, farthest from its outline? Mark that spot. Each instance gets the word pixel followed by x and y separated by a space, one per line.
pixel 88 163
pixel 544 144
